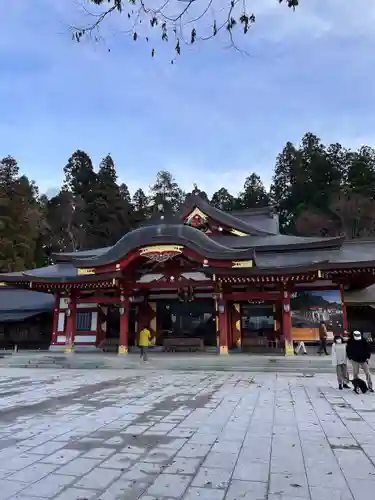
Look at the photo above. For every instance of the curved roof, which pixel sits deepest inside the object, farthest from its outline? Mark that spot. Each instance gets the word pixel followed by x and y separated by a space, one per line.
pixel 177 234
pixel 194 200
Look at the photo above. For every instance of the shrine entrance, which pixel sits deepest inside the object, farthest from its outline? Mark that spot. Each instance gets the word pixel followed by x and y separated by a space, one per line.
pixel 195 319
pixel 256 325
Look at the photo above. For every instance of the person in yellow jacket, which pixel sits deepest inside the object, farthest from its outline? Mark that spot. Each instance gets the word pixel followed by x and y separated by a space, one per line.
pixel 144 342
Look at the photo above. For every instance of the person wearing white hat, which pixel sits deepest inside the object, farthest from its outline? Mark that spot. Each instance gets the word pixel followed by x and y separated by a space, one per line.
pixel 358 351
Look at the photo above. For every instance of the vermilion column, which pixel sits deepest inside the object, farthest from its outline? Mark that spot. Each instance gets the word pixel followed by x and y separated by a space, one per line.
pixel 124 325
pixel 55 322
pixel 71 324
pixel 222 312
pixel 287 323
pixel 236 326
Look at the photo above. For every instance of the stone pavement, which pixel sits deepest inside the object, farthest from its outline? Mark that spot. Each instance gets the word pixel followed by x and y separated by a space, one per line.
pixel 162 435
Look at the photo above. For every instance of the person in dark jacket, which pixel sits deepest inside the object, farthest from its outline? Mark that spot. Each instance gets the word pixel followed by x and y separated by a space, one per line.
pixel 358 351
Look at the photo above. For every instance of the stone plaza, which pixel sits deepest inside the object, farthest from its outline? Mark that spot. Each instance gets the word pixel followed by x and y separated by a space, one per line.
pixel 168 435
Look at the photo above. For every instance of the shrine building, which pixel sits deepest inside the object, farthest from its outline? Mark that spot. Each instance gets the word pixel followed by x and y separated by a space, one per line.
pixel 204 279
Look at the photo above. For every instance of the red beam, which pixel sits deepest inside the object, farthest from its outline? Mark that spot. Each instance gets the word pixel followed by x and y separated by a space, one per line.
pixel 252 296
pixel 102 299
pixel 308 288
pixel 169 285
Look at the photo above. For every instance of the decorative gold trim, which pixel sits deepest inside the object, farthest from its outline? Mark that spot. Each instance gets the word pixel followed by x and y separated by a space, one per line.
pixel 198 212
pixel 242 264
pixel 69 349
pixel 161 249
pixel 223 349
pixel 2 283
pixel 86 271
pixel 238 325
pixel 238 233
pixel 123 349
pixel 237 307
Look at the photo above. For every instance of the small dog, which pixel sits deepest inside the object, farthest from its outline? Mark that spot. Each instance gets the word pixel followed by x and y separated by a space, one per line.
pixel 359 385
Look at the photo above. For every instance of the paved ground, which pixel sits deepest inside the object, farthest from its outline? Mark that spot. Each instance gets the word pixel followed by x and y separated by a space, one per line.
pixel 109 435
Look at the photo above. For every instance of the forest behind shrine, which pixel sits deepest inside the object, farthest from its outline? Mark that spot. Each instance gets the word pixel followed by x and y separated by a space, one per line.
pixel 317 189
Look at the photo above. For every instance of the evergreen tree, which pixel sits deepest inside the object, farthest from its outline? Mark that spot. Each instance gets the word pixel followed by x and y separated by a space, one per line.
pixel 166 192
pixel 322 172
pixel 9 171
pixel 360 173
pixel 287 185
pixel 112 209
pixel 140 203
pixel 65 231
pixel 81 181
pixel 20 218
pixel 254 193
pixel 223 200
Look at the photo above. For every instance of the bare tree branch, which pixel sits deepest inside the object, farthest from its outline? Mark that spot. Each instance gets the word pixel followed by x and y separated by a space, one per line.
pixel 184 21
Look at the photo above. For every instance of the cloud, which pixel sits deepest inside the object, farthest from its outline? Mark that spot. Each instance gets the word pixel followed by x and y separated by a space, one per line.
pixel 212 118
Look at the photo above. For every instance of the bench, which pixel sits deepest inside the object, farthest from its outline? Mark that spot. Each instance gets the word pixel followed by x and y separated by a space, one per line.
pixel 261 344
pixel 183 344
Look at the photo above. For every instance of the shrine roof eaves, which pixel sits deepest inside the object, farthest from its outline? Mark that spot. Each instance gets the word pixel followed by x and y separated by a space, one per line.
pixel 178 234
pixel 280 242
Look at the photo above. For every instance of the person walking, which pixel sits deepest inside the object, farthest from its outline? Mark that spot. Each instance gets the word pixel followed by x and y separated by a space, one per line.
pixel 358 351
pixel 300 347
pixel 144 342
pixel 323 334
pixel 339 360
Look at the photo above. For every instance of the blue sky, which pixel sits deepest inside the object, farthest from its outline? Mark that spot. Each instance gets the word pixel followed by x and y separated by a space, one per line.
pixel 212 118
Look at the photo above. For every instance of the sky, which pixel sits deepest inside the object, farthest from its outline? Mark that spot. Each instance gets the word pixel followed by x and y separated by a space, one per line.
pixel 213 117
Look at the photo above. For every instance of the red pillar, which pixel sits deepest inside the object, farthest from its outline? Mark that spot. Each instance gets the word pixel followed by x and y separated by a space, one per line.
pixel 344 312
pixel 124 325
pixel 223 316
pixel 100 331
pixel 236 340
pixel 71 323
pixel 55 322
pixel 287 323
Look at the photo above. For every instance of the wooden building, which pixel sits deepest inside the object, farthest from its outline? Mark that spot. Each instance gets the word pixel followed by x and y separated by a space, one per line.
pixel 25 319
pixel 202 278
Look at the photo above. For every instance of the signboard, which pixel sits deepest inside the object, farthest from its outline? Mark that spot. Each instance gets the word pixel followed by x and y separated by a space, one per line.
pixel 309 308
pixel 241 264
pixel 86 271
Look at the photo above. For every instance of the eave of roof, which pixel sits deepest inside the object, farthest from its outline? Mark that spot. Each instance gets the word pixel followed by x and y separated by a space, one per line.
pixel 280 242
pixel 29 278
pixel 177 234
pixel 304 268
